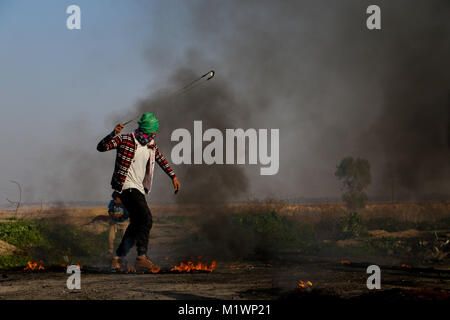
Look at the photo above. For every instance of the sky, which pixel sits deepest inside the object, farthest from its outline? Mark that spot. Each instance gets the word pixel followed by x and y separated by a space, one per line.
pixel 52 77
pixel 310 69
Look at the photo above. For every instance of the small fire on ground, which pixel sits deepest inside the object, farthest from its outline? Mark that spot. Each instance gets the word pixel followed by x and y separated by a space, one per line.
pixel 67 265
pixel 304 285
pixel 34 266
pixel 188 266
pixel 191 266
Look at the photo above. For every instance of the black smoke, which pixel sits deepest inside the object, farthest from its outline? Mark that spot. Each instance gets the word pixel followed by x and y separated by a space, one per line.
pixel 311 69
pixel 216 106
pixel 335 88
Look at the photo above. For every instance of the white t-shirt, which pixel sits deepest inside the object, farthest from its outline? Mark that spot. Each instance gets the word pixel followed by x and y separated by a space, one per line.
pixel 136 172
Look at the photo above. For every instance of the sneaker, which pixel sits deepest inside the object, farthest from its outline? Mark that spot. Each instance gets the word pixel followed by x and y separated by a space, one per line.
pixel 144 264
pixel 121 264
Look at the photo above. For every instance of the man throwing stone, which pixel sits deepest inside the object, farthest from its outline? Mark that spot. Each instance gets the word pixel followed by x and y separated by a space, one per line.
pixel 132 179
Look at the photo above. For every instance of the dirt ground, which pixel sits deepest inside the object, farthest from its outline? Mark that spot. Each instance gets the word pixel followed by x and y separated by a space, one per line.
pixel 228 281
pixel 274 279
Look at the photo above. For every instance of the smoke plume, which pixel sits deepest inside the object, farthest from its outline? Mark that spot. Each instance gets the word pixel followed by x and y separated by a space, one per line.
pixel 313 70
pixel 335 88
pixel 217 107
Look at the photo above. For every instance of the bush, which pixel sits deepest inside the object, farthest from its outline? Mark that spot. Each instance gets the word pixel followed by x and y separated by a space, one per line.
pixel 338 227
pixel 66 240
pixel 352 226
pixel 8 261
pixel 21 233
pixel 274 232
pixel 50 242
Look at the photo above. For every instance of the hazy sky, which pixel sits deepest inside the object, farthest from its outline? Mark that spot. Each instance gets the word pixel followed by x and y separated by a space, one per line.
pixel 55 83
pixel 309 68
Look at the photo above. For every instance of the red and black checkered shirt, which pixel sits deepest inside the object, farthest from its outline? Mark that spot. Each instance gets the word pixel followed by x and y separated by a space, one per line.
pixel 126 148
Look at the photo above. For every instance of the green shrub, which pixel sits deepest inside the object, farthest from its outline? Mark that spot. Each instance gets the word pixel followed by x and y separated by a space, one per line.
pixel 66 240
pixel 50 242
pixel 9 261
pixel 352 226
pixel 384 245
pixel 21 233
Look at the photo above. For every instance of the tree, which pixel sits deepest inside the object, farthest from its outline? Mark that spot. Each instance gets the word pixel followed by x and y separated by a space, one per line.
pixel 355 176
pixel 18 202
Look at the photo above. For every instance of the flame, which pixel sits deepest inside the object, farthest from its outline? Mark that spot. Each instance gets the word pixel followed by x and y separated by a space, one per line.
pixel 33 266
pixel 182 267
pixel 304 285
pixel 190 266
pixel 66 265
pixel 345 262
pixel 155 269
pixel 406 266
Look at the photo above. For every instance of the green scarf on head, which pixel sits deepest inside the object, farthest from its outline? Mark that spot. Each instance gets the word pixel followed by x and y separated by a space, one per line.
pixel 148 123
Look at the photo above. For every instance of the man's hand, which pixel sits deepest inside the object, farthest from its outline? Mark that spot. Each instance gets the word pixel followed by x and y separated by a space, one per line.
pixel 176 185
pixel 118 129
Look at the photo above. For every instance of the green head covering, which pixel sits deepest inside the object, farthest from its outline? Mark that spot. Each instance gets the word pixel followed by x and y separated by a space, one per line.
pixel 148 123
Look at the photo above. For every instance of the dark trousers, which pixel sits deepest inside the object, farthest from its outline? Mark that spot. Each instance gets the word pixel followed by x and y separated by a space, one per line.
pixel 138 230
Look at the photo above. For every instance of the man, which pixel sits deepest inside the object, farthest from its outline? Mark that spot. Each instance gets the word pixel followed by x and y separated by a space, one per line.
pixel 132 179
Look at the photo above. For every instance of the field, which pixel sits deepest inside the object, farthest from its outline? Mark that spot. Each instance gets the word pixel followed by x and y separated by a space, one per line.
pixel 262 249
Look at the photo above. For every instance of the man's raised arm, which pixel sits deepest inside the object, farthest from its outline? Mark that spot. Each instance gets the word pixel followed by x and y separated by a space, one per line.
pixel 111 141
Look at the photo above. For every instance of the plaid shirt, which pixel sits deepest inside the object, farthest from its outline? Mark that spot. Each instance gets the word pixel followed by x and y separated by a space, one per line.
pixel 126 148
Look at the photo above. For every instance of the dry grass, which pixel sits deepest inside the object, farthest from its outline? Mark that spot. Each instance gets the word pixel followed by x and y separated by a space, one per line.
pixel 405 211
pixel 307 213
